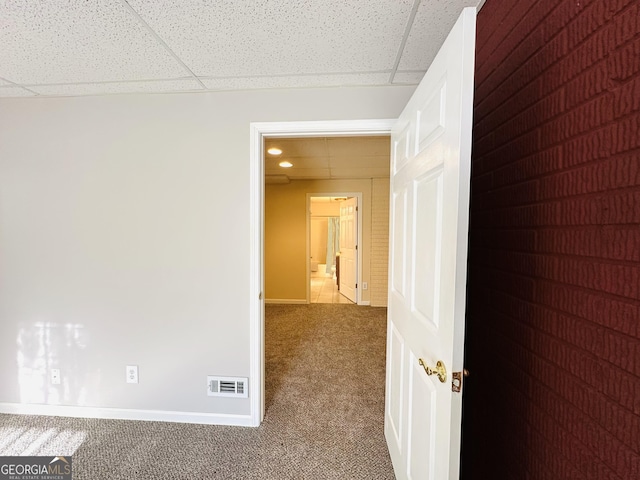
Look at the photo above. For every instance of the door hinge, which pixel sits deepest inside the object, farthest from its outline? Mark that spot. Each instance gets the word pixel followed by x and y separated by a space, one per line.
pixel 456 380
pixel 356 247
pixel 356 209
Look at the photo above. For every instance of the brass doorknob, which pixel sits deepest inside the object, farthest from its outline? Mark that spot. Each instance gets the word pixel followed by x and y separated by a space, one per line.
pixel 440 370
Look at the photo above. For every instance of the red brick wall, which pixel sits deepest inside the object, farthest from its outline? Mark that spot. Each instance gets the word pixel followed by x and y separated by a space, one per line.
pixel 553 330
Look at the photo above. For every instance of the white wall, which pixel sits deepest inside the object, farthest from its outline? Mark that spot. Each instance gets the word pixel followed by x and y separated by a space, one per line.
pixel 124 239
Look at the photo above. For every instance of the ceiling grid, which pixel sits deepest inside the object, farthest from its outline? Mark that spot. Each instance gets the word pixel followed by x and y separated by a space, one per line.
pixel 99 47
pixel 328 158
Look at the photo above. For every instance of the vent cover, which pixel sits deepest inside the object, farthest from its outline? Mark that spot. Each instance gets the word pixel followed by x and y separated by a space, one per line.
pixel 227 387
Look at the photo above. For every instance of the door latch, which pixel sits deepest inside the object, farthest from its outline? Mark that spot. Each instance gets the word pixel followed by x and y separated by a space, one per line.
pixel 456 380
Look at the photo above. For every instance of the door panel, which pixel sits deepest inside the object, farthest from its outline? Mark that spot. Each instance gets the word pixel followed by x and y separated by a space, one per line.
pixel 431 117
pixel 401 147
pixel 394 405
pixel 428 255
pixel 422 409
pixel 348 247
pixel 398 231
pixel 427 229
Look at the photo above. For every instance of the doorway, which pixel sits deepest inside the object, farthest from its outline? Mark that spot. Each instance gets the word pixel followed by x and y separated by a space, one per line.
pixel 330 244
pixel 259 132
pixel 350 166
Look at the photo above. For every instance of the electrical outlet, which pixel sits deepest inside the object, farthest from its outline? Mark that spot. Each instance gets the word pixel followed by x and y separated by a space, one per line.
pixel 55 376
pixel 132 374
pixel 365 285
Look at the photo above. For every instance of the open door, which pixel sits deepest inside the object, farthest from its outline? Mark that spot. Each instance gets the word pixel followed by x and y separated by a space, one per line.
pixel 349 248
pixel 431 156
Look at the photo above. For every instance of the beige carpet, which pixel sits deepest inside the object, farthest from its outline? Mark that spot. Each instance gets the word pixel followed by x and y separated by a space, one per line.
pixel 324 417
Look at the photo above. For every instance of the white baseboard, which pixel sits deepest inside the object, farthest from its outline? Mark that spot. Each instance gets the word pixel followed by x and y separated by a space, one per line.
pixel 127 414
pixel 365 303
pixel 286 301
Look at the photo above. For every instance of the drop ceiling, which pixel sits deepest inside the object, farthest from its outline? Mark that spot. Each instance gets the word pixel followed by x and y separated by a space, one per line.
pixel 328 158
pixel 96 47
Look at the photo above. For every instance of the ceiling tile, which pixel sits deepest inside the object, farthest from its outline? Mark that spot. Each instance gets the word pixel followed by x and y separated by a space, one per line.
pixel 300 173
pixel 66 47
pixel 360 172
pixel 298 163
pixel 158 86
pixel 81 41
pixel 15 92
pixel 286 37
pixel 361 161
pixel 408 78
pixel 299 147
pixel 297 81
pixel 431 25
pixel 331 157
pixel 363 145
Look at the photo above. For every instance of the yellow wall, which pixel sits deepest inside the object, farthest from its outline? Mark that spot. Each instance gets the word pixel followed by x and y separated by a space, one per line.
pixel 325 209
pixel 286 242
pixel 318 240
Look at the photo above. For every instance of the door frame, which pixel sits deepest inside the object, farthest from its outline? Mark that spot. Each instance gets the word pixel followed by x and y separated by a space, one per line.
pixel 358 196
pixel 258 132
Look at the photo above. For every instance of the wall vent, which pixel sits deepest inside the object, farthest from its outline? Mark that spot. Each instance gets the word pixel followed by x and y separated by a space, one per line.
pixel 227 387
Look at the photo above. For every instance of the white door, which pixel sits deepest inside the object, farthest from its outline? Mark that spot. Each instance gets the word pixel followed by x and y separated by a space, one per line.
pixel 431 154
pixel 349 247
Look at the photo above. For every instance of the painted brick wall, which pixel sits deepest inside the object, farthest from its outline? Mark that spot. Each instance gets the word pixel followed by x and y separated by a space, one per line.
pixel 379 241
pixel 553 329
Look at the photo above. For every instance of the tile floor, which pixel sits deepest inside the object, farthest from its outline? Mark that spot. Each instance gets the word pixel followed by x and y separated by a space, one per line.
pixel 324 289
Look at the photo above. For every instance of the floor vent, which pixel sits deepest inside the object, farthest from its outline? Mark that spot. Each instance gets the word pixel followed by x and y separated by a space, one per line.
pixel 227 387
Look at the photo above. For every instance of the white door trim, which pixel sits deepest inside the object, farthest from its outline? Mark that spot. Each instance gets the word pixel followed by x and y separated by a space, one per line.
pixel 259 131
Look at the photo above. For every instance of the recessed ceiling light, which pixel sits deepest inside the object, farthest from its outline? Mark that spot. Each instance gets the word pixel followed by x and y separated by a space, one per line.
pixel 274 151
pixel 286 164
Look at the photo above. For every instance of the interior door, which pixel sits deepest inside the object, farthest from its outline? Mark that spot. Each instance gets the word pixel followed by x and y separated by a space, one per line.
pixel 429 214
pixel 349 247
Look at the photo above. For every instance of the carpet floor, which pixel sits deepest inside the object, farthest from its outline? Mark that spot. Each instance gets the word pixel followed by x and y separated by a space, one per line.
pixel 324 399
